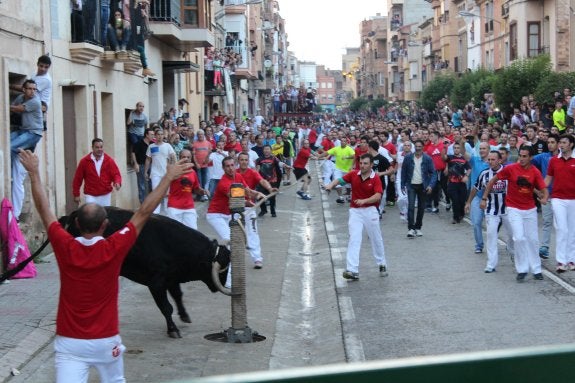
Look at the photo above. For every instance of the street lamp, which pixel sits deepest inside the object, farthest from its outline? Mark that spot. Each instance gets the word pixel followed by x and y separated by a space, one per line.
pixel 471 14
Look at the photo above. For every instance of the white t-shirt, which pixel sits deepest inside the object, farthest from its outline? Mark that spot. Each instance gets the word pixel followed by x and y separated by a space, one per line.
pixel 160 155
pixel 216 170
pixel 44 86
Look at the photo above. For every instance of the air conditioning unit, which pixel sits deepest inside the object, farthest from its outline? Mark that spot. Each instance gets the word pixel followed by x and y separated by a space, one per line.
pixel 505 10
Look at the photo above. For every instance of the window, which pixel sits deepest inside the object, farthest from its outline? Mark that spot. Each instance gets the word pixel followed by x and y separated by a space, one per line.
pixel 513 42
pixel 190 12
pixel 329 85
pixel 488 17
pixel 533 39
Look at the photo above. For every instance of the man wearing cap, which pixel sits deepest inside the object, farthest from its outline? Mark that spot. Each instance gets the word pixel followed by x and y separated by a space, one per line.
pixel 367 191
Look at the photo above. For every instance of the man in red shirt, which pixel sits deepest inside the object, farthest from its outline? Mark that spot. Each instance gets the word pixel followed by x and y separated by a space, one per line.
pixel 561 173
pixel 219 215
pixel 233 143
pixel 87 331
pixel 181 198
pixel 437 151
pixel 366 192
pixel 360 150
pixel 202 149
pixel 299 168
pixel 100 175
pixel 253 179
pixel 522 179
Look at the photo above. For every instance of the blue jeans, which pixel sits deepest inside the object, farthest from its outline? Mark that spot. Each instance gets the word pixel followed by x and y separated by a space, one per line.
pixel 143 184
pixel 202 176
pixel 22 139
pixel 212 186
pixel 477 215
pixel 114 43
pixel 104 20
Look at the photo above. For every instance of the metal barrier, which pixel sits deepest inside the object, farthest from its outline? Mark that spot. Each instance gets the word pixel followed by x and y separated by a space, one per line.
pixel 525 365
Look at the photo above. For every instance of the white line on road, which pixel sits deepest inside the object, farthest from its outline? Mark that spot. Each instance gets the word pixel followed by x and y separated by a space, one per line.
pixel 353 348
pixel 329 227
pixel 559 281
pixel 340 282
pixel 346 309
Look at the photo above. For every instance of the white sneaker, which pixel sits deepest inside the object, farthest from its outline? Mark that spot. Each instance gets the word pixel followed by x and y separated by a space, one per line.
pixel 418 233
pixel 411 233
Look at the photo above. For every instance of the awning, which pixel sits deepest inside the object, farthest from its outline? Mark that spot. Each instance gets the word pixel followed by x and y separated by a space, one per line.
pixel 180 66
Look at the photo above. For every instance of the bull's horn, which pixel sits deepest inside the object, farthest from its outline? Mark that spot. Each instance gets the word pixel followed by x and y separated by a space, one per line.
pixel 216 278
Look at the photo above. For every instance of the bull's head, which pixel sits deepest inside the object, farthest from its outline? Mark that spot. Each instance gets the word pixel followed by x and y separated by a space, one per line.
pixel 220 265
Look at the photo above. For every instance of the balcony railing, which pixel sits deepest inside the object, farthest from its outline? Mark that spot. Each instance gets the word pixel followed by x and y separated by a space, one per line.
pixel 166 11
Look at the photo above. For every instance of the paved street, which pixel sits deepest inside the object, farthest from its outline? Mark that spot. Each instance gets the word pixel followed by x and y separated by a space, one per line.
pixel 436 300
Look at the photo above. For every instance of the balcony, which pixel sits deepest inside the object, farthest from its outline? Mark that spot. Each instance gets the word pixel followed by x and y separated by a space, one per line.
pixel 84 52
pixel 166 24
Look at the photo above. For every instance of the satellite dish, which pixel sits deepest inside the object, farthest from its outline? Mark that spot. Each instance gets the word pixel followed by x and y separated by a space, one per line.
pixel 268 63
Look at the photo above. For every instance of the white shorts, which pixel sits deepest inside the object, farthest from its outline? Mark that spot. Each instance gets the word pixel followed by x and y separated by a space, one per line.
pixel 74 357
pixel 102 200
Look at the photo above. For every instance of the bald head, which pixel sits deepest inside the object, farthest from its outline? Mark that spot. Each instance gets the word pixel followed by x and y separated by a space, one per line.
pixel 90 218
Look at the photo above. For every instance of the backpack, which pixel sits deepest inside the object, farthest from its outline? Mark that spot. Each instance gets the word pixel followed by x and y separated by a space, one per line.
pixel 14 246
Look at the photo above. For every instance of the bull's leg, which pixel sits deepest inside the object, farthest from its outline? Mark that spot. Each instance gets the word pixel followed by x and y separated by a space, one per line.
pixel 161 298
pixel 176 293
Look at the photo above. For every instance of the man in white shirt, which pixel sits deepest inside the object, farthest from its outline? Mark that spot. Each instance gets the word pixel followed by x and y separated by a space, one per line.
pixel 159 155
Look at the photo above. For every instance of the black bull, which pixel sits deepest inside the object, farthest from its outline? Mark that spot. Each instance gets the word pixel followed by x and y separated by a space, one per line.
pixel 166 254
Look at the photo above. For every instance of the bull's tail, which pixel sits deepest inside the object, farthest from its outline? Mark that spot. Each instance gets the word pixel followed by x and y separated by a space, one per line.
pixel 10 273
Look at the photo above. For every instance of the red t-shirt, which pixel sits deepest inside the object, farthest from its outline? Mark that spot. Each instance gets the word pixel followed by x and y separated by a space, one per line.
pixel 362 189
pixel 327 144
pixel 434 151
pixel 358 153
pixel 312 137
pixel 181 191
pixel 563 173
pixel 390 148
pixel 520 185
pixel 88 304
pixel 220 201
pixel 302 158
pixel 202 150
pixel 251 177
pixel 237 146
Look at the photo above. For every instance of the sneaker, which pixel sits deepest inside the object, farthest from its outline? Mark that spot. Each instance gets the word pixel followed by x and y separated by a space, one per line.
pixel 418 233
pixel 274 215
pixel 390 203
pixel 340 200
pixel 306 197
pixel 351 275
pixel 411 233
pixel 435 210
pixel 447 206
pixel 300 193
pixel 262 213
pixel 383 270
pixel 489 270
pixel 428 210
pixel 204 198
pixel 544 252
pixel 561 268
pixel 258 265
pixel 478 251
pixel 348 198
pixel 520 277
pixel 571 266
pixel 538 277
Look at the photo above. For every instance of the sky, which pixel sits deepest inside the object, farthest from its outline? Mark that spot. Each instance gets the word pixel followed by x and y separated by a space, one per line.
pixel 320 30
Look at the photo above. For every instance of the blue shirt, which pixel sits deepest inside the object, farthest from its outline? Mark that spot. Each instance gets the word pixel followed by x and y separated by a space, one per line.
pixel 541 161
pixel 477 166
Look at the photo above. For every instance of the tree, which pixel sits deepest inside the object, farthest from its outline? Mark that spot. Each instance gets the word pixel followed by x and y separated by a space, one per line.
pixel 520 79
pixel 374 105
pixel 554 82
pixel 357 104
pixel 463 91
pixel 436 89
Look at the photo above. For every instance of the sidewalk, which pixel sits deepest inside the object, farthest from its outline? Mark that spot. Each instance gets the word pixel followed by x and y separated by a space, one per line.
pixel 291 301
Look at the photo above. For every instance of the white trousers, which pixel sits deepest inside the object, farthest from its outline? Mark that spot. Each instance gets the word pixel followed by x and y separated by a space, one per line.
pixel 401 196
pixel 360 218
pixel 102 200
pixel 492 223
pixel 18 177
pixel 327 173
pixel 162 207
pixel 74 357
pixel 253 237
pixel 188 217
pixel 564 222
pixel 525 234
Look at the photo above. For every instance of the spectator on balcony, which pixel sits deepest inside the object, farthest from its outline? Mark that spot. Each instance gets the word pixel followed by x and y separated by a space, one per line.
pixel 119 32
pixel 141 32
pixel 218 66
pixel 77 21
pixel 104 17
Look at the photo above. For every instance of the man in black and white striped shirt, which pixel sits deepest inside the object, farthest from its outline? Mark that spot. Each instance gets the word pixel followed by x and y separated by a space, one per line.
pixel 495 212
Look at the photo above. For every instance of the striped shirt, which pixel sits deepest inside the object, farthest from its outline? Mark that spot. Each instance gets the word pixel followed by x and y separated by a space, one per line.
pixel 496 198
